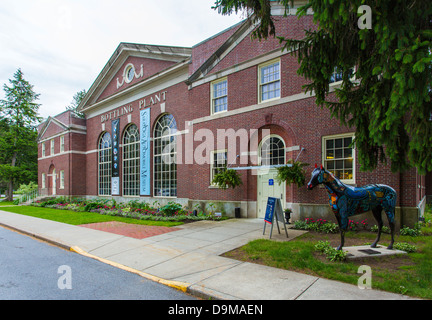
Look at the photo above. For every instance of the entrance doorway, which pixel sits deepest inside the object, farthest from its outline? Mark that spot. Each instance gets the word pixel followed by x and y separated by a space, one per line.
pixel 272 152
pixel 52 185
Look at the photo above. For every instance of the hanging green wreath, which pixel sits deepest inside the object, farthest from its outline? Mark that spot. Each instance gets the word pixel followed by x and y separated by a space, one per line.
pixel 293 172
pixel 227 178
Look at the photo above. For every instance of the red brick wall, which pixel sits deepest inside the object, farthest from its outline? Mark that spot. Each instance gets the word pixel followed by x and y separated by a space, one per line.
pixel 299 123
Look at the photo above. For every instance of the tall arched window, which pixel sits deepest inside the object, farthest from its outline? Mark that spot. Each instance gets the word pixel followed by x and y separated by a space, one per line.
pixel 272 151
pixel 104 164
pixel 165 153
pixel 131 161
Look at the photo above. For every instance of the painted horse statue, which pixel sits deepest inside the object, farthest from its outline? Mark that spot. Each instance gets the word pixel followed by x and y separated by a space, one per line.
pixel 347 201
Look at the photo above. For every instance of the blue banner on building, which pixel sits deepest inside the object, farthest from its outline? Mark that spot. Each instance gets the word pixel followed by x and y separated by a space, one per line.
pixel 145 152
pixel 115 177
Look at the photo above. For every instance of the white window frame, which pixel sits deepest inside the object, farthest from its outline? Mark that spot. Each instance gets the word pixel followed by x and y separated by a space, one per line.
pixel 261 84
pixel 212 164
pixel 325 160
pixel 62 144
pixel 270 159
pixel 43 180
pixel 52 147
pixel 104 167
pixel 131 164
pixel 335 83
pixel 43 150
pixel 163 178
pixel 213 99
pixel 62 181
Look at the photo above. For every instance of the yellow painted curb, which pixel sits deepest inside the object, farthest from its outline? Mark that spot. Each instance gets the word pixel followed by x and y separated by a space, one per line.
pixel 182 286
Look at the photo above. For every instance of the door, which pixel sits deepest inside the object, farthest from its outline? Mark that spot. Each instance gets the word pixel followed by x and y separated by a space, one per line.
pixel 268 187
pixel 54 184
pixel 272 153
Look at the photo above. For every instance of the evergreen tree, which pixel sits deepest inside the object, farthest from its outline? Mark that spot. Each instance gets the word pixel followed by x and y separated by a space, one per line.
pixel 389 101
pixel 76 101
pixel 18 134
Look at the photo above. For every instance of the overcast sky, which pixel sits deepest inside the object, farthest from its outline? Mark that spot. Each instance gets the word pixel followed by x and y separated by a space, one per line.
pixel 62 45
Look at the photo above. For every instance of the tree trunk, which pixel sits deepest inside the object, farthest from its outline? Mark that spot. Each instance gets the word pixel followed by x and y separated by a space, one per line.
pixel 9 193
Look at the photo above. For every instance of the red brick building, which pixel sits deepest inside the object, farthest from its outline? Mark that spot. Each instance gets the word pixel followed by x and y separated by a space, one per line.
pixel 228 100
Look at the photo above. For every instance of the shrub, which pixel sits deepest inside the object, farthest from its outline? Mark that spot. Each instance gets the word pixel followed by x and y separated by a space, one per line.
pixel 405 247
pixel 406 231
pixel 320 225
pixel 331 253
pixel 170 209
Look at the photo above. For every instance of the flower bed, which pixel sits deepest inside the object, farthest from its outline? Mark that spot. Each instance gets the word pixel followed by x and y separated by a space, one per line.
pixel 132 209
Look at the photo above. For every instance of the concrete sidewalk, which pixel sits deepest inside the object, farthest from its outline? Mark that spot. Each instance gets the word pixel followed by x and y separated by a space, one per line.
pixel 189 259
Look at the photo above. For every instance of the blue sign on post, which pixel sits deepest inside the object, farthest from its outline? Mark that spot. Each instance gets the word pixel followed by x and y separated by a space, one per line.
pixel 274 208
pixel 271 182
pixel 271 204
pixel 145 152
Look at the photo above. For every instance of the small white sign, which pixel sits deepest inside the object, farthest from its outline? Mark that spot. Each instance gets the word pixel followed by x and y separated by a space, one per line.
pixel 115 186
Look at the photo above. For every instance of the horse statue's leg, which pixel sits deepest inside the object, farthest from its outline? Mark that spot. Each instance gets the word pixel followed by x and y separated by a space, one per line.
pixel 342 229
pixel 390 216
pixel 377 214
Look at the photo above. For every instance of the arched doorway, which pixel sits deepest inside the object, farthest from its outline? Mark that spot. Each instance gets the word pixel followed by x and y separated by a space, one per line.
pixel 271 153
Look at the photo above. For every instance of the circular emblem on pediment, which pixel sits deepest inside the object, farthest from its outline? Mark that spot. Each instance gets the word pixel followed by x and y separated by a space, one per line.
pixel 129 73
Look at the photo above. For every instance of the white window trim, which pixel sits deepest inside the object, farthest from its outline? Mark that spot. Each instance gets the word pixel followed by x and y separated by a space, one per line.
pixel 338 83
pixel 43 179
pixel 263 65
pixel 174 154
pixel 62 185
pixel 43 150
pixel 126 163
pixel 62 144
pixel 212 109
pixel 323 156
pixel 264 139
pixel 52 147
pixel 212 153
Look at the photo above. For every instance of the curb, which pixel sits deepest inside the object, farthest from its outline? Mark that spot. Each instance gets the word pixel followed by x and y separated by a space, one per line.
pixel 182 286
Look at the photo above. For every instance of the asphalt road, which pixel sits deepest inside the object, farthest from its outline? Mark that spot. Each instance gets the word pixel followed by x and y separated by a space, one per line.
pixel 33 270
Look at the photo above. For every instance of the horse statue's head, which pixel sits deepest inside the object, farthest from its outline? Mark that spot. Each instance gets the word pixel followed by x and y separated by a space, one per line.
pixel 317 177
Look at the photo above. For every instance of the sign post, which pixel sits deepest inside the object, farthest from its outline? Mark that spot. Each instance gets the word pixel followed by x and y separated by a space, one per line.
pixel 274 210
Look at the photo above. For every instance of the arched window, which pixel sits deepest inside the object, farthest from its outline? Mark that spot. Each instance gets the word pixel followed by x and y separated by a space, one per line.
pixel 131 161
pixel 165 153
pixel 104 164
pixel 272 151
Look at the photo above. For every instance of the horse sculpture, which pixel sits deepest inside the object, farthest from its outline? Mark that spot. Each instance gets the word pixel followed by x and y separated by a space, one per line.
pixel 347 201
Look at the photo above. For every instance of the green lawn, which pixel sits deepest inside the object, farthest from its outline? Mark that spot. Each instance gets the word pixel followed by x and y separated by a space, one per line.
pixel 78 218
pixel 6 203
pixel 409 274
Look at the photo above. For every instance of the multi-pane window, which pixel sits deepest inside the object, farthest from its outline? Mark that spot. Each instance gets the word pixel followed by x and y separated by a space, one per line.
pixel 62 179
pixel 165 153
pixel 219 94
pixel 338 74
pixel 131 161
pixel 339 156
pixel 43 181
pixel 272 151
pixel 269 81
pixel 105 162
pixel 62 143
pixel 43 149
pixel 218 163
pixel 52 147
